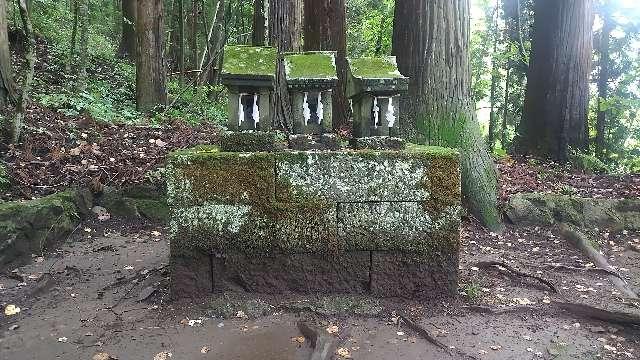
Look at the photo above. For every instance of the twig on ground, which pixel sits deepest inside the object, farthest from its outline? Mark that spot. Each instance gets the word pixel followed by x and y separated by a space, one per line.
pixel 511 269
pixel 582 269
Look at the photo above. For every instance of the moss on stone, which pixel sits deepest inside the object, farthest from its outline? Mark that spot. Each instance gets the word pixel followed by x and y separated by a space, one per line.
pixel 252 141
pixel 249 60
pixel 311 65
pixel 228 178
pixel 375 68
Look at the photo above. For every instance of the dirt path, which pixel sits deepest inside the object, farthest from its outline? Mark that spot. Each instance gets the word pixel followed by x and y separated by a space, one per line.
pixel 106 292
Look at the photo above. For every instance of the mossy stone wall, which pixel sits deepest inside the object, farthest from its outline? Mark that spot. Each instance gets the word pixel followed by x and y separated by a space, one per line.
pixel 316 202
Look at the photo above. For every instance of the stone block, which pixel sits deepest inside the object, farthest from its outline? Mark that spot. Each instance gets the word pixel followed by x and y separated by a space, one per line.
pixel 299 273
pixel 399 226
pixel 277 228
pixel 397 274
pixel 251 141
pixel 196 177
pixel 352 176
pixel 379 143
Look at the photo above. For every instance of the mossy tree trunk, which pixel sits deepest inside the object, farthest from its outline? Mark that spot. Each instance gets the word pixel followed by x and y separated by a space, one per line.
pixel 151 77
pixel 431 41
pixel 325 29
pixel 285 34
pixel 7 85
pixel 557 96
pixel 15 130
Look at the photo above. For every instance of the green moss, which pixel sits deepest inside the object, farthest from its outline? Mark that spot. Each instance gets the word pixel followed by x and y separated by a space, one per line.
pixel 433 150
pixel 4 178
pixel 249 60
pixel 252 141
pixel 228 178
pixel 311 65
pixel 375 68
pixel 155 210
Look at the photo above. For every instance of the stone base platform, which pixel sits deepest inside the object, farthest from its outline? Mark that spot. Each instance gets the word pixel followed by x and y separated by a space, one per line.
pixel 380 274
pixel 378 222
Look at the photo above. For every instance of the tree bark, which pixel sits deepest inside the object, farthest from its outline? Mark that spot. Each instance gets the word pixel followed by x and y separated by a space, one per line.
pixel 431 42
pixel 15 131
pixel 7 85
pixel 193 33
pixel 325 29
pixel 495 77
pixel 557 96
pixel 151 88
pixel 285 30
pixel 128 40
pixel 83 27
pixel 505 109
pixel 603 85
pixel 259 32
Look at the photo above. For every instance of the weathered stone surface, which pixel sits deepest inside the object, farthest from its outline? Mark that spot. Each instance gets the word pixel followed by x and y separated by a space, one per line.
pixel 34 226
pixel 190 273
pixel 135 203
pixel 300 273
pixel 379 143
pixel 399 226
pixel 352 176
pixel 195 177
pixel 280 227
pixel 396 274
pixel 548 209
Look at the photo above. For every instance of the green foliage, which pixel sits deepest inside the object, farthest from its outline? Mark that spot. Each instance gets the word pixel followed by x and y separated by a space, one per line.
pixel 204 103
pixel 472 291
pixel 4 178
pixel 369 27
pixel 588 163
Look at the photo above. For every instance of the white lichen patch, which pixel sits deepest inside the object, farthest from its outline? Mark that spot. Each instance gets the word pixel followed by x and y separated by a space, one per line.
pixel 218 219
pixel 353 177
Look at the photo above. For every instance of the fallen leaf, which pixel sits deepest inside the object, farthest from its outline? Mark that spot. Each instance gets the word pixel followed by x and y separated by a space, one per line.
pixel 298 339
pixel 241 315
pixel 11 310
pixel 103 356
pixel 63 339
pixel 162 356
pixel 343 353
pixel 333 329
pixel 204 350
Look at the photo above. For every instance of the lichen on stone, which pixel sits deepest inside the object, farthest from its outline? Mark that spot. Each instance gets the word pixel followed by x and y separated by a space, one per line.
pixel 249 60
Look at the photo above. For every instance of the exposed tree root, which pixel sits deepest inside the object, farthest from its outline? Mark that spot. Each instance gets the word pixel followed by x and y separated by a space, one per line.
pixel 587 311
pixel 497 311
pixel 422 332
pixel 516 272
pixel 580 241
pixel 580 269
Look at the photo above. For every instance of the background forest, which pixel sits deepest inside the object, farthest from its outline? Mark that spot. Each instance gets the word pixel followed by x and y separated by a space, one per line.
pixel 84 65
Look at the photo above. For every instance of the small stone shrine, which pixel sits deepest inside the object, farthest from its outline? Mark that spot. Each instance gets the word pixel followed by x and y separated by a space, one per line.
pixel 306 214
pixel 311 77
pixel 374 86
pixel 249 73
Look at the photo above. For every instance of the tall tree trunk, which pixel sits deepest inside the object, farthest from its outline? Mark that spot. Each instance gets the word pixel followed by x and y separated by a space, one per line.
pixel 193 33
pixel 128 40
pixel 285 30
pixel 74 34
pixel 30 54
pixel 259 32
pixel 151 88
pixel 557 95
pixel 603 85
pixel 7 85
pixel 83 27
pixel 495 78
pixel 325 29
pixel 431 41
pixel 505 109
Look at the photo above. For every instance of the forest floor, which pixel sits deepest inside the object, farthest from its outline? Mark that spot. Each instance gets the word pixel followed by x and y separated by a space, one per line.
pixel 106 291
